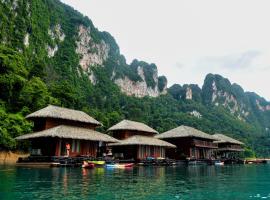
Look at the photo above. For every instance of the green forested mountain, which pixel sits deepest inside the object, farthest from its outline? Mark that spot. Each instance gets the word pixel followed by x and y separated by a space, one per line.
pixel 52 54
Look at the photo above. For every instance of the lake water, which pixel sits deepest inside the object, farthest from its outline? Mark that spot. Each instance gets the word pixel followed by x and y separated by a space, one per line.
pixel 193 182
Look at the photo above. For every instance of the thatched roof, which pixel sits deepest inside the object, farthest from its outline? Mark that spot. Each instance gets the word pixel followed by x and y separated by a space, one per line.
pixel 63 113
pixel 143 140
pixel 184 131
pixel 132 125
pixel 225 139
pixel 70 132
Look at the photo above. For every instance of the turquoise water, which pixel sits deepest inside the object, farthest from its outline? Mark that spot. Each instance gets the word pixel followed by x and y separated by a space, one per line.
pixel 194 182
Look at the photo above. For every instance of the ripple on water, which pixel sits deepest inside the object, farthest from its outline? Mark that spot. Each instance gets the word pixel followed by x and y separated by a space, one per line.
pixel 199 182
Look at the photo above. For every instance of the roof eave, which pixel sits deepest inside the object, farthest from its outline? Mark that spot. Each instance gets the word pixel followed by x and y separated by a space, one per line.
pixel 119 144
pixel 29 117
pixel 169 137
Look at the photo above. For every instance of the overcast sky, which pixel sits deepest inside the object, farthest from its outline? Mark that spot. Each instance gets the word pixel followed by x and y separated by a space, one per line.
pixel 188 39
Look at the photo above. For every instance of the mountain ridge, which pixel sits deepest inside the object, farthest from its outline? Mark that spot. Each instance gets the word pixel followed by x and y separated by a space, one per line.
pixel 52 54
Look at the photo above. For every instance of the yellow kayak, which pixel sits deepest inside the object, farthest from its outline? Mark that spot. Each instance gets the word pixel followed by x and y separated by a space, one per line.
pixel 97 162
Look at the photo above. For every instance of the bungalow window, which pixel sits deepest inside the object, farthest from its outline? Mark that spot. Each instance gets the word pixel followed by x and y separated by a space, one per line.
pixel 162 153
pixel 152 151
pixel 156 152
pixel 193 152
pixel 78 146
pixel 143 151
pixel 73 146
pixel 159 152
pixel 148 151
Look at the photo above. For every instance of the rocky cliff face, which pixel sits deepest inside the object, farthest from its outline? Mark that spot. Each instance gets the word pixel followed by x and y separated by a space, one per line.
pixel 186 92
pixel 218 91
pixel 225 98
pixel 141 87
pixel 93 54
pixel 69 34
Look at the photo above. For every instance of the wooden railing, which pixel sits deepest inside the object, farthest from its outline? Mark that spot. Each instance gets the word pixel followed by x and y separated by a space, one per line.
pixel 230 147
pixel 203 143
pixel 233 146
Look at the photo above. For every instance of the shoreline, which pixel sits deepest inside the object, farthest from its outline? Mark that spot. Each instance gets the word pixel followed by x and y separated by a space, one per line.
pixel 9 157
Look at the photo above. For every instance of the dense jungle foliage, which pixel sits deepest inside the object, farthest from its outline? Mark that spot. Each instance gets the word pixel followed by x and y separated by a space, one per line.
pixel 30 80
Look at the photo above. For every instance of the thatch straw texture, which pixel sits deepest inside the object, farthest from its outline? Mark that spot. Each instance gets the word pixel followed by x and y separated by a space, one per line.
pixel 225 139
pixel 63 113
pixel 143 140
pixel 184 131
pixel 132 125
pixel 70 132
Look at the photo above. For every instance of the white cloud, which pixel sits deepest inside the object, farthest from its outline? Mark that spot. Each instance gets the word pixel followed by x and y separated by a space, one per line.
pixel 228 37
pixel 232 62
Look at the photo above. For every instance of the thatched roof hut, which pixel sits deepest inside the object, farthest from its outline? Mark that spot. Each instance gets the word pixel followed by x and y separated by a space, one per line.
pixel 143 140
pixel 183 132
pixel 220 138
pixel 63 113
pixel 132 126
pixel 69 132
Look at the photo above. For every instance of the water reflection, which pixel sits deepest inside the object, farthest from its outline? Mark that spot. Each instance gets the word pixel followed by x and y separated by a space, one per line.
pixel 194 182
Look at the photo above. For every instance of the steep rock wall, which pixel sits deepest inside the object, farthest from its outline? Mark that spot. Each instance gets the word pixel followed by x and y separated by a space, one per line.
pixel 140 88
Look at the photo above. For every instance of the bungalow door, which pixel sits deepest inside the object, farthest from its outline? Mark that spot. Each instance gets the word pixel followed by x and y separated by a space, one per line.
pixel 63 151
pixel 201 153
pixel 63 147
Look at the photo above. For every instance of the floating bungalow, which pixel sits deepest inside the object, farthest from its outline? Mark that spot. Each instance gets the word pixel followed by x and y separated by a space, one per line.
pixel 65 132
pixel 137 141
pixel 228 148
pixel 191 143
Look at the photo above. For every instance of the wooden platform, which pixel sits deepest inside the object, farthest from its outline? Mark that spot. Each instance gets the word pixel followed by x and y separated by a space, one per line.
pixel 34 164
pixel 52 161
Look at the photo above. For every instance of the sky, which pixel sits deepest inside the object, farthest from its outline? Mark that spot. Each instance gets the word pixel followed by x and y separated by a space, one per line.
pixel 187 39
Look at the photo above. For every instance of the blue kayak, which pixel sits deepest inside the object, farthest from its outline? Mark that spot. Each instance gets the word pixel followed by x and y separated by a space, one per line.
pixel 119 165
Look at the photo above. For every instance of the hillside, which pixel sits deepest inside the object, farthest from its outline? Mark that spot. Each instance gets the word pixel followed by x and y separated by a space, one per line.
pixel 52 54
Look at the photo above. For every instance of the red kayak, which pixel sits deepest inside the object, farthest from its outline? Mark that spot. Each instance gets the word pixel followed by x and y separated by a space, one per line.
pixel 129 165
pixel 88 165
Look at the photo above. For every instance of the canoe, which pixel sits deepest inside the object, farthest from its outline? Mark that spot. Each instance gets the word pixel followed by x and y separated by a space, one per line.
pixel 88 165
pixel 97 162
pixel 126 165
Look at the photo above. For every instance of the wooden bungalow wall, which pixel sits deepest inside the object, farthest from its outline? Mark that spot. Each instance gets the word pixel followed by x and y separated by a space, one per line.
pixel 121 135
pixel 229 146
pixel 228 150
pixel 126 152
pixel 201 153
pixel 190 147
pixel 77 148
pixel 57 147
pixel 46 145
pixel 138 152
pixel 46 123
pixel 144 151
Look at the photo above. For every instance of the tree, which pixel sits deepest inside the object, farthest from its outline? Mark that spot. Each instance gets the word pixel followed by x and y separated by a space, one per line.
pixel 35 94
pixel 13 74
pixel 11 126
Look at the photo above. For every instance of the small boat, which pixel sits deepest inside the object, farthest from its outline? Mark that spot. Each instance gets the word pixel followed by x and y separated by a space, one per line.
pixel 88 165
pixel 55 164
pixel 97 162
pixel 124 165
pixel 219 163
pixel 197 162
